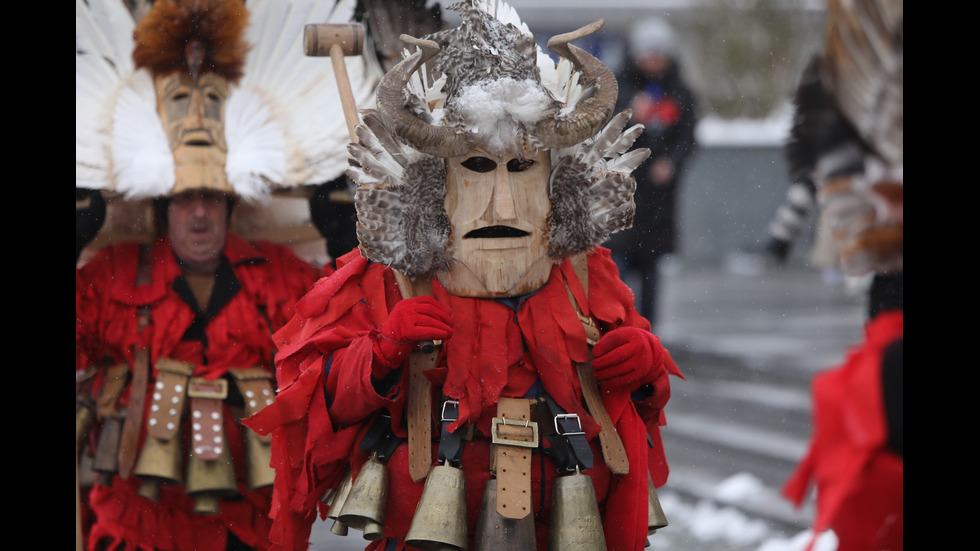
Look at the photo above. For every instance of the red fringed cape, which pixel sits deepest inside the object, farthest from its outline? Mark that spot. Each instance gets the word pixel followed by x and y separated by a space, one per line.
pixel 325 358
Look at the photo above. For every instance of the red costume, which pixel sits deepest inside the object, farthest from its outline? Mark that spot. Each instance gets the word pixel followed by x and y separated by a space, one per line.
pixel 859 480
pixel 256 289
pixel 498 348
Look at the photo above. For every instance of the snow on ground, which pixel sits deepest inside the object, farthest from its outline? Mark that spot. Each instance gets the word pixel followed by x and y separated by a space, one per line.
pixel 713 131
pixel 713 526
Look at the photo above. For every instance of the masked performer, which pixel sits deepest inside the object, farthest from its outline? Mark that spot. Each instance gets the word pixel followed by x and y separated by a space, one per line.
pixel 174 335
pixel 477 372
pixel 849 124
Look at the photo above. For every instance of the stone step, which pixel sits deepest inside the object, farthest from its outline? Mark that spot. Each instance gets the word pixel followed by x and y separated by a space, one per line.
pixel 781 409
pixel 729 447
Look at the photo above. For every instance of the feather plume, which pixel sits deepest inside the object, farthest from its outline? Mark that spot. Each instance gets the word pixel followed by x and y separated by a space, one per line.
pixel 103 50
pixel 142 161
pixel 285 125
pixel 399 197
pixel 592 182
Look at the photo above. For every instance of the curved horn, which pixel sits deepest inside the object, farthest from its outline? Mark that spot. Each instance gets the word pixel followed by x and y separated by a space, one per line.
pixel 442 141
pixel 592 114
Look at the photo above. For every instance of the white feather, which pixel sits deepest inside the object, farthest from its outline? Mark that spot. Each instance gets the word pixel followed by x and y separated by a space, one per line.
pixel 103 47
pixel 300 91
pixel 285 124
pixel 142 161
pixel 257 145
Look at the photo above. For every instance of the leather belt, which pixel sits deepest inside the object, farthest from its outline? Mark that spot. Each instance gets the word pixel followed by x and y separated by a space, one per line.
pixel 207 399
pixel 133 423
pixel 515 436
pixel 420 413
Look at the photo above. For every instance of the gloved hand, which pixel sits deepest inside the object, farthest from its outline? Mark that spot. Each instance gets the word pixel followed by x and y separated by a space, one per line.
pixel 411 320
pixel 628 357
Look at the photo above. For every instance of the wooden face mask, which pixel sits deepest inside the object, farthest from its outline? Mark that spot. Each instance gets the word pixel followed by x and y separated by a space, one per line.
pixel 192 113
pixel 498 208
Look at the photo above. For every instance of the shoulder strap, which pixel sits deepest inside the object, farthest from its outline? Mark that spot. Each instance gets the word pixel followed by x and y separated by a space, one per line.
pixel 613 450
pixel 138 386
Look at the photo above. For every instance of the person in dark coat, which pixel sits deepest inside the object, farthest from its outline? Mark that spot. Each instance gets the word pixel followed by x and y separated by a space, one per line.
pixel 652 86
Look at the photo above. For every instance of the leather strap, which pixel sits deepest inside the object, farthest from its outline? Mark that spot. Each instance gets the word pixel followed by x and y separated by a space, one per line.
pixel 420 413
pixel 569 448
pixel 207 411
pixel 514 438
pixel 129 440
pixel 255 386
pixel 133 423
pixel 116 377
pixel 450 443
pixel 612 446
pixel 613 451
pixel 169 391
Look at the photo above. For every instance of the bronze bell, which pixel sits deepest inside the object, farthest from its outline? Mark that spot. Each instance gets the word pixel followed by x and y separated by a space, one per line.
pixel 337 499
pixel 259 461
pixel 159 463
pixel 211 480
pixel 656 518
pixel 494 532
pixel 105 462
pixel 440 517
pixel 575 521
pixel 364 508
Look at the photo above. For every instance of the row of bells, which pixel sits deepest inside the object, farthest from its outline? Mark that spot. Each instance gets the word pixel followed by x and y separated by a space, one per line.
pixel 440 524
pixel 162 462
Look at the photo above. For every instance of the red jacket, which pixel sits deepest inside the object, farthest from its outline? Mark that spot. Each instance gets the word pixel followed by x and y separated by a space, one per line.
pixel 327 396
pixel 255 293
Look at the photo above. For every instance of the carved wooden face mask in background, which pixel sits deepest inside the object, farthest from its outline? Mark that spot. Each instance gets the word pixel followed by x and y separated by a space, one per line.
pixel 498 208
pixel 192 114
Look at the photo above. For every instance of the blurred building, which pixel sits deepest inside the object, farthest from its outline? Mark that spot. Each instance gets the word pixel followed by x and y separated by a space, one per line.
pixel 744 58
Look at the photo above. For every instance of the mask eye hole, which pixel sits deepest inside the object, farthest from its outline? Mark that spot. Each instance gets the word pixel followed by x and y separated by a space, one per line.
pixel 519 165
pixel 480 164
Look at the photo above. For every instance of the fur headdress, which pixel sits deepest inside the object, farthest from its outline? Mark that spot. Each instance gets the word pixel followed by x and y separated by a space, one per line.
pixel 196 36
pixel 487 84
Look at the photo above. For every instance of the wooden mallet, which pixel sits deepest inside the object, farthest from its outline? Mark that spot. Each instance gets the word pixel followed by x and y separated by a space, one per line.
pixel 337 40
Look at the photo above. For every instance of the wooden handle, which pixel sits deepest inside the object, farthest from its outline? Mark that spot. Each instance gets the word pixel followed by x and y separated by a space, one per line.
pixel 343 86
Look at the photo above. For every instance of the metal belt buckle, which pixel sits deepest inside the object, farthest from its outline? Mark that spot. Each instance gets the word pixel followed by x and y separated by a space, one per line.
pixel 591 331
pixel 199 387
pixel 568 416
pixel 509 442
pixel 455 403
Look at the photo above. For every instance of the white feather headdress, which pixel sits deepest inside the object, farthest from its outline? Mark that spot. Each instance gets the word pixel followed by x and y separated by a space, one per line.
pixel 285 127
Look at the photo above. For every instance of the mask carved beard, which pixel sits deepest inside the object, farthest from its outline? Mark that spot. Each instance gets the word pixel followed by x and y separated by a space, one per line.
pixel 192 114
pixel 498 209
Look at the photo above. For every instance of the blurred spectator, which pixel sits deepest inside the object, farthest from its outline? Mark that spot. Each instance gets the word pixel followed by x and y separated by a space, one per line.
pixel 652 86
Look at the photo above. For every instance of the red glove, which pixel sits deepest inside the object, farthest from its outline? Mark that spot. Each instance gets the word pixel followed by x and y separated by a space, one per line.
pixel 410 321
pixel 628 357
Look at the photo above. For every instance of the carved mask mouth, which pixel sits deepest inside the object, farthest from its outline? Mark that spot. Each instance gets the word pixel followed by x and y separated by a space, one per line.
pixel 495 232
